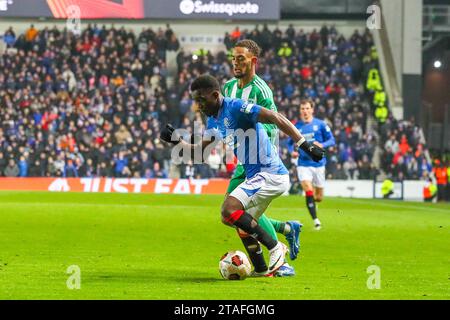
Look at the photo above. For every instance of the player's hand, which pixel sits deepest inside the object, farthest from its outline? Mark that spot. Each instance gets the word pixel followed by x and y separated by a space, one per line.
pixel 168 135
pixel 314 151
pixel 294 154
pixel 318 144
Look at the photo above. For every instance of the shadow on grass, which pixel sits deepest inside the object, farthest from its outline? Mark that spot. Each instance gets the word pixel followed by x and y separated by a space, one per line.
pixel 149 276
pixel 197 279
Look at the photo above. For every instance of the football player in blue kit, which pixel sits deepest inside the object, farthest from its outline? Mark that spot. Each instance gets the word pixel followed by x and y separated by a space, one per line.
pixel 312 173
pixel 239 125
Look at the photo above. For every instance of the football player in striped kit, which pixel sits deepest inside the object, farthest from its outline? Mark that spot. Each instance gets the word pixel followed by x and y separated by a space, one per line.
pixel 248 86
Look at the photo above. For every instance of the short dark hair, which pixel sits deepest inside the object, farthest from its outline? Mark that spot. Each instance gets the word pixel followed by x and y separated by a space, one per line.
pixel 251 45
pixel 307 100
pixel 205 81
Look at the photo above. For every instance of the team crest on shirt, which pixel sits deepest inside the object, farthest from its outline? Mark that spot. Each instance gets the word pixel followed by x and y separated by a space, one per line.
pixel 309 136
pixel 226 122
pixel 246 107
pixel 315 127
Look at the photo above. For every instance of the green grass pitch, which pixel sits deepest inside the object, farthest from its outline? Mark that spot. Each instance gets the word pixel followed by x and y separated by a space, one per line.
pixel 168 247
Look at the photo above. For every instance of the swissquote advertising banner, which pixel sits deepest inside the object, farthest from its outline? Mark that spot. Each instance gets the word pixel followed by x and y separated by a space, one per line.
pixel 216 9
pixel 142 9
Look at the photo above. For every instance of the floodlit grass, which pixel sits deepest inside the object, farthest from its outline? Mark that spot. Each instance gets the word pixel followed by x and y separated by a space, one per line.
pixel 168 247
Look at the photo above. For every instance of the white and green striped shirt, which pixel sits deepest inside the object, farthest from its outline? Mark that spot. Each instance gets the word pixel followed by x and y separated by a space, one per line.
pixel 256 91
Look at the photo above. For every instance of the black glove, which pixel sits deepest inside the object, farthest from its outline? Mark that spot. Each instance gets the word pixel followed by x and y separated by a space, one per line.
pixel 314 151
pixel 168 135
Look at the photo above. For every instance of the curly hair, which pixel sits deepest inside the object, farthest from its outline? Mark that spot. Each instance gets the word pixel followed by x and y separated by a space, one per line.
pixel 251 45
pixel 205 81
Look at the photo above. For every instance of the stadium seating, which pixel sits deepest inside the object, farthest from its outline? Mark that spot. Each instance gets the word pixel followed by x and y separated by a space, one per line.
pixel 93 105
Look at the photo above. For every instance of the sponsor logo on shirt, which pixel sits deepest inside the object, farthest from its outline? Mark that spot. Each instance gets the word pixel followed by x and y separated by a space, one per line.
pixel 309 136
pixel 229 140
pixel 246 107
pixel 226 122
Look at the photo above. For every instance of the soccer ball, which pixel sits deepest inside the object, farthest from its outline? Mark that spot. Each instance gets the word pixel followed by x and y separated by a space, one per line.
pixel 234 265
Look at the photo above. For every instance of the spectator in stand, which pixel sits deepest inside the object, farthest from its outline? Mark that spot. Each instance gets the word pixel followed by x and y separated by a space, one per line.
pixel 86 169
pixel 351 168
pixel 448 179
pixel 424 168
pixel 227 41
pixel 381 114
pixel 23 167
pixel 339 173
pixel 70 169
pixel 120 164
pixel 31 34
pixel 365 169
pixel 440 172
pixel 9 37
pixel 157 172
pixel 404 151
pixel 429 191
pixel 236 34
pixel 404 146
pixel 11 170
pixel 285 50
pixel 392 144
pixel 3 163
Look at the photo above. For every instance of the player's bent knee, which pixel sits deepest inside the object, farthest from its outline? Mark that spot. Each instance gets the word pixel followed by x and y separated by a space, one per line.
pixel 226 211
pixel 307 188
pixel 231 214
pixel 226 214
pixel 225 221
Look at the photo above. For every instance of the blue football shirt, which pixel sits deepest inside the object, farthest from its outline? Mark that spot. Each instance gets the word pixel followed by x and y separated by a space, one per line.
pixel 316 130
pixel 237 125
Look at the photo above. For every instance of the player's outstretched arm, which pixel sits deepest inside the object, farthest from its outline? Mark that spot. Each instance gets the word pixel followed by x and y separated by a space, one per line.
pixel 267 116
pixel 329 140
pixel 168 134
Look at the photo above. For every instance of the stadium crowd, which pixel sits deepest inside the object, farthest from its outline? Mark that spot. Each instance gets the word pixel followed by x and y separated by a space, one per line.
pixel 88 105
pixel 92 105
pixel 404 151
pixel 404 156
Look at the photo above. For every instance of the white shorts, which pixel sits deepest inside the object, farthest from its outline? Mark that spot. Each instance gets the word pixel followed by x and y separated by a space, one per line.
pixel 314 174
pixel 256 193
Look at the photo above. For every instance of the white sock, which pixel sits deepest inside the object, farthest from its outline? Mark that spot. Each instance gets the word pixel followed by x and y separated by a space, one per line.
pixel 287 228
pixel 317 221
pixel 276 247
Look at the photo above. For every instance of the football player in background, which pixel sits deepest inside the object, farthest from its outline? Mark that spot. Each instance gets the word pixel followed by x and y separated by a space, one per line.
pixel 311 173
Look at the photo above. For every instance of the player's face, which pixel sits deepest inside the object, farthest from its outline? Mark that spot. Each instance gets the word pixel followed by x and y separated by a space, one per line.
pixel 207 101
pixel 306 112
pixel 242 60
